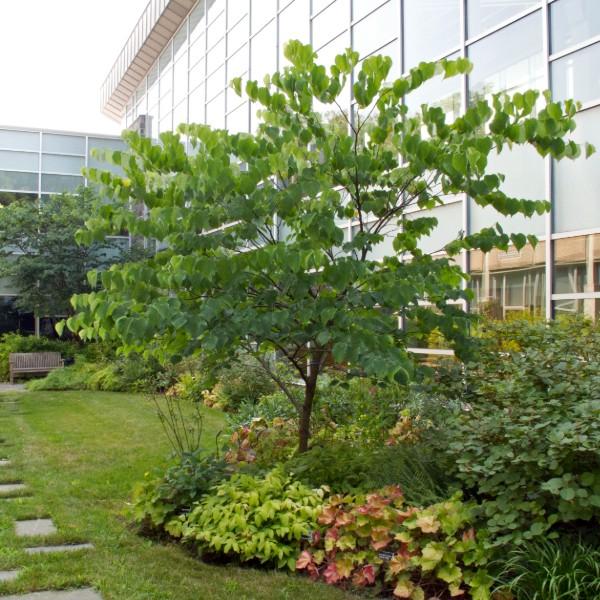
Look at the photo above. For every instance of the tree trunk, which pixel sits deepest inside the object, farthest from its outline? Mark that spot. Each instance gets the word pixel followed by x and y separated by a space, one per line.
pixel 304 430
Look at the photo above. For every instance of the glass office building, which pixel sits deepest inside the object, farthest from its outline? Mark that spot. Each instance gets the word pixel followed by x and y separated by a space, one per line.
pixel 33 164
pixel 178 61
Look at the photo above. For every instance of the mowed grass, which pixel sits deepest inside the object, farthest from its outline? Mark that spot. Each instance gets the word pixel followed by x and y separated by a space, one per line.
pixel 80 453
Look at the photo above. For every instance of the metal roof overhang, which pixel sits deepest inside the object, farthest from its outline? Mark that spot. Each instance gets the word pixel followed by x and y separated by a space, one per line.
pixel 157 25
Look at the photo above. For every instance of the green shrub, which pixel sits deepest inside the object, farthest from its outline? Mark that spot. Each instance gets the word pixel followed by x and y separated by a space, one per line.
pixel 73 377
pixel 565 569
pixel 158 499
pixel 14 342
pixel 269 407
pixel 378 541
pixel 347 469
pixel 528 444
pixel 243 381
pixel 255 518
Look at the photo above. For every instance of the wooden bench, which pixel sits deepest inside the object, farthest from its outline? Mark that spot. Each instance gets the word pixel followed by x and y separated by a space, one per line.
pixel 34 362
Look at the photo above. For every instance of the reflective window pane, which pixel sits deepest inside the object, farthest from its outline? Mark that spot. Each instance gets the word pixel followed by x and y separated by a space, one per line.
pixel 237 121
pixel 510 60
pixel 196 105
pixel 180 114
pixel 577 75
pixel 509 284
pixel 67 144
pixel 236 9
pixel 215 57
pixel 215 31
pixel 590 308
pixel 197 51
pixel 376 30
pixel 215 9
pixel 215 112
pixel 360 8
pixel 180 43
pixel 21 161
pixel 153 86
pixel 330 23
pixel 237 36
pixel 263 52
pixel 27 182
pixel 197 74
pixel 53 163
pixel 60 183
pixel 525 178
pixel 215 83
pixel 450 224
pixel 572 22
pixel 294 24
pixel 431 29
pixel 180 80
pixel 19 140
pixel 577 182
pixel 261 13
pixel 577 264
pixel 485 14
pixel 196 21
pixel 237 64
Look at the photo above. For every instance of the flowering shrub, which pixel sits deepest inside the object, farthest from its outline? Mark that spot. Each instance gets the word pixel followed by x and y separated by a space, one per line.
pixel 408 429
pixel 417 553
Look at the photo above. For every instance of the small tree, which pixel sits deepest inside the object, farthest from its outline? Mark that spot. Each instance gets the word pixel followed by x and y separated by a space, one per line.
pixel 254 252
pixel 39 254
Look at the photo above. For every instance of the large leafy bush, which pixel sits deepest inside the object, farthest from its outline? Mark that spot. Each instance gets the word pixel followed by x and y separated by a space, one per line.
pixel 418 553
pixel 255 518
pixel 528 443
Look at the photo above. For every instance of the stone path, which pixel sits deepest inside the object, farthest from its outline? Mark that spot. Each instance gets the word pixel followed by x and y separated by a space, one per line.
pixel 35 528
pixel 11 387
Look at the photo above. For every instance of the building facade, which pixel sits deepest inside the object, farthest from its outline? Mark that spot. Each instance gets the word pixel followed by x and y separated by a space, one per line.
pixel 177 63
pixel 36 163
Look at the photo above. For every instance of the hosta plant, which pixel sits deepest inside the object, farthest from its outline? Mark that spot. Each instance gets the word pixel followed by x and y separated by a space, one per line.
pixel 416 553
pixel 255 519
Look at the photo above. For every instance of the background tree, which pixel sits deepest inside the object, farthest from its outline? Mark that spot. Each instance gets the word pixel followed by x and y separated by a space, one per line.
pixel 255 256
pixel 39 254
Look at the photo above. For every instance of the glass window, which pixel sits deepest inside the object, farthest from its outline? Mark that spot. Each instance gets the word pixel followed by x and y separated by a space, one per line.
pixel 104 144
pixel 215 9
pixel 180 114
pixel 360 8
pixel 509 284
pixel 60 183
pixel 510 60
pixel 215 83
pixel 11 180
pixel 180 80
pixel 215 31
pixel 577 182
pixel 164 62
pixel 166 122
pixel 485 14
pixel 525 178
pixel 166 83
pixel 450 224
pixel 19 140
pixel 572 22
pixel 197 51
pixel 21 161
pixel 577 75
pixel 236 9
pixel 215 57
pixel 215 112
pixel 237 121
pixel 196 105
pixel 180 44
pixel 237 65
pixel 439 91
pixel 237 36
pixel 153 86
pixel 430 29
pixel 330 23
pixel 197 75
pixel 577 264
pixel 376 30
pixel 294 24
pixel 263 52
pixel 261 12
pixel 196 21
pixel 55 163
pixel 589 307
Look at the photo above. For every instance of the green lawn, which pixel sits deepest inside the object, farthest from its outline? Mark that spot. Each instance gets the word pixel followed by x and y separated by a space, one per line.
pixel 80 453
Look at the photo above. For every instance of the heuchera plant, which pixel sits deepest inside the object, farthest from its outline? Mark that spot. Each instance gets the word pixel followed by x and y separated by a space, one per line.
pixel 416 552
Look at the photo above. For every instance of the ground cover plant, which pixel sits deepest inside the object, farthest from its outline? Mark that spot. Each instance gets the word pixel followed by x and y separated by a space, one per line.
pixel 308 294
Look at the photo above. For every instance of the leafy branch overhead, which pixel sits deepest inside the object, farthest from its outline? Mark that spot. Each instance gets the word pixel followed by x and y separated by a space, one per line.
pixel 255 255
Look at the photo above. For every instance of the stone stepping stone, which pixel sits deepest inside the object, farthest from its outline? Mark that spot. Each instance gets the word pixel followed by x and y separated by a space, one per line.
pixel 9 575
pixel 60 548
pixel 33 527
pixel 82 594
pixel 4 462
pixel 11 488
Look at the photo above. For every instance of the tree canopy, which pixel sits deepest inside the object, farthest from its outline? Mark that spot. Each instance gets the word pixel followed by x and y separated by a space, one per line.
pixel 39 254
pixel 254 253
